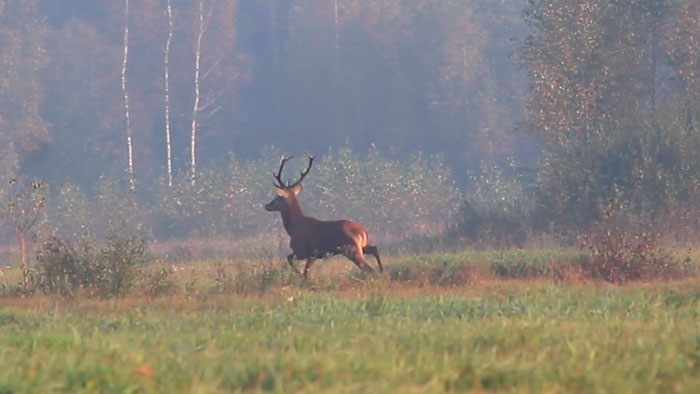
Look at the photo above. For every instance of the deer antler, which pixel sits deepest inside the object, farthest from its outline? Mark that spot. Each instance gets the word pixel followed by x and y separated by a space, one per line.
pixel 303 174
pixel 278 176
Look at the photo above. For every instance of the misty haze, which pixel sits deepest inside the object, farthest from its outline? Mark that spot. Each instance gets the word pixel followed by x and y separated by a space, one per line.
pixel 507 155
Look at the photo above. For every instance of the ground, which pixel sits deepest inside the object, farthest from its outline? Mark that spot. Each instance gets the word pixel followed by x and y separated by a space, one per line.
pixel 214 328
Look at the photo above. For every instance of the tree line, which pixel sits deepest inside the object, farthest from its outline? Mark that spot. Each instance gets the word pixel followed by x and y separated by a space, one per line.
pixel 159 102
pixel 157 87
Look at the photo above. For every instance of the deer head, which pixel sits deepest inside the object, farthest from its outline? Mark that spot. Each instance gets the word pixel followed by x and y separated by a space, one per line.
pixel 287 193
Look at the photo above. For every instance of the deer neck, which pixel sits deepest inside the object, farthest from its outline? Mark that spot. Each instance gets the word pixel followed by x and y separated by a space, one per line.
pixel 292 215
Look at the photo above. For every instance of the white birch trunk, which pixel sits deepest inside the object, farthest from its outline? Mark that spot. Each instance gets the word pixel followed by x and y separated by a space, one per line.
pixel 130 150
pixel 196 108
pixel 167 95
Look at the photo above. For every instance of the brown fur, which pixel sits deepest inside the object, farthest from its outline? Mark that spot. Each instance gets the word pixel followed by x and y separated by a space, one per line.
pixel 312 239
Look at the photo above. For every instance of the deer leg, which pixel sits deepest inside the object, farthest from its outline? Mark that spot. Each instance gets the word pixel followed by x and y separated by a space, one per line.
pixel 371 249
pixel 309 263
pixel 355 254
pixel 290 260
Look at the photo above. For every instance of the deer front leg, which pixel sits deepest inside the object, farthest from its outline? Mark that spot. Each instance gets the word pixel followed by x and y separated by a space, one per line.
pixel 290 260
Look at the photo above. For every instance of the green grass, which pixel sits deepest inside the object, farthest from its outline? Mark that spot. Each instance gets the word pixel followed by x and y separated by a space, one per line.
pixel 460 268
pixel 513 336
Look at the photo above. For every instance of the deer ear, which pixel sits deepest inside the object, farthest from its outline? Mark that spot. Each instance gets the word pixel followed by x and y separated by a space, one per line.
pixel 296 189
pixel 280 192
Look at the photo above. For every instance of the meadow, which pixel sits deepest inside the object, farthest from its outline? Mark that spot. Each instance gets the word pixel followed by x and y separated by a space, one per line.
pixel 515 321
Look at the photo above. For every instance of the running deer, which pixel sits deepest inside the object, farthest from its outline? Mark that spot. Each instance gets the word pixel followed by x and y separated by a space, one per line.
pixel 312 239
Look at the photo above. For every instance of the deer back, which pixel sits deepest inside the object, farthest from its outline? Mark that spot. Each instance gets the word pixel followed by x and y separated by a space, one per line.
pixel 317 238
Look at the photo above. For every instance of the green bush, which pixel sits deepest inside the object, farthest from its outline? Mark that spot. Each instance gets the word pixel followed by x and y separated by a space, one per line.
pixel 394 199
pixel 64 269
pixel 648 166
pixel 620 254
pixel 497 211
pixel 123 253
pixel 159 281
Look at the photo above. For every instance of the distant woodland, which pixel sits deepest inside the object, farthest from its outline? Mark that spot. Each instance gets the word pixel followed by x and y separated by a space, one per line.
pixel 479 121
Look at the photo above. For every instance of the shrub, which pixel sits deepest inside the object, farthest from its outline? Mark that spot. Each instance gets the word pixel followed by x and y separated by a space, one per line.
pixel 12 290
pixel 223 282
pixel 260 276
pixel 64 269
pixel 159 281
pixel 519 269
pixel 497 211
pixel 620 255
pixel 440 271
pixel 649 165
pixel 251 278
pixel 123 253
pixel 455 274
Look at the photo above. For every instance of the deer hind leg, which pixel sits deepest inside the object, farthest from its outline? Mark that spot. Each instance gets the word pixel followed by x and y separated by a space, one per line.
pixel 290 260
pixel 309 263
pixel 371 249
pixel 354 253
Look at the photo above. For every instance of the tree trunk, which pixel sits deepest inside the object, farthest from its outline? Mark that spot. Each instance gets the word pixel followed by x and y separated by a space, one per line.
pixel 130 150
pixel 195 109
pixel 167 95
pixel 25 260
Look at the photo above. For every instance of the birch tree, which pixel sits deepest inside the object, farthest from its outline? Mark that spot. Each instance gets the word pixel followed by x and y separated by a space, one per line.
pixel 218 69
pixel 197 94
pixel 166 77
pixel 127 115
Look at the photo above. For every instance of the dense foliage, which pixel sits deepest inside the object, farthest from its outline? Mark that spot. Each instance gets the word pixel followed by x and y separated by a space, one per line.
pixel 611 113
pixel 614 94
pixel 394 199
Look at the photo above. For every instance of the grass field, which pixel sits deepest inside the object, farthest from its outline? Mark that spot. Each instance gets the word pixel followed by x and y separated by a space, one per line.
pixel 430 324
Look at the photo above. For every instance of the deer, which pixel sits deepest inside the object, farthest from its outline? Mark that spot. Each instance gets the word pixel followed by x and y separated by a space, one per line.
pixel 311 239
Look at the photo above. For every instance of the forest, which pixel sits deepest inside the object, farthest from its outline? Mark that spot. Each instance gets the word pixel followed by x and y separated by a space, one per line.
pixel 458 122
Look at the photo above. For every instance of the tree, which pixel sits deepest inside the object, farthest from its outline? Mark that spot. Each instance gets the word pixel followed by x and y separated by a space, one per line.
pixel 611 87
pixel 217 68
pixel 166 79
pixel 84 106
pixel 589 63
pixel 197 97
pixel 23 55
pixel 23 210
pixel 683 49
pixel 476 93
pixel 127 113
